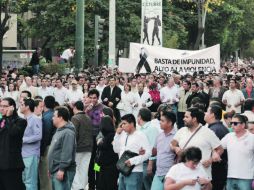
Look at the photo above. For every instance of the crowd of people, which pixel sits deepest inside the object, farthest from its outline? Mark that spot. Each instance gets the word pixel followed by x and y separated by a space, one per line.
pixel 192 131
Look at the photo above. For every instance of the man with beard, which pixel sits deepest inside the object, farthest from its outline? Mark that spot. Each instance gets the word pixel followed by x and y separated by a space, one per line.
pixel 194 134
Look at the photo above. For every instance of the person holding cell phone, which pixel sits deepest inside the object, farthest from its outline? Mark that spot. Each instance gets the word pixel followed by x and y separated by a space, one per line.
pixel 189 174
pixel 12 129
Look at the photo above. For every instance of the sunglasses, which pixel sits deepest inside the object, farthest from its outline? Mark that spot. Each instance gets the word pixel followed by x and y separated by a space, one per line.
pixel 235 123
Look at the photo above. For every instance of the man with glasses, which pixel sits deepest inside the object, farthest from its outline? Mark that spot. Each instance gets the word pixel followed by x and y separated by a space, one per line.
pixel 240 148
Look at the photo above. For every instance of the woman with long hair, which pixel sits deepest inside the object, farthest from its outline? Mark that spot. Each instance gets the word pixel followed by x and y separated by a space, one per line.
pixel 106 157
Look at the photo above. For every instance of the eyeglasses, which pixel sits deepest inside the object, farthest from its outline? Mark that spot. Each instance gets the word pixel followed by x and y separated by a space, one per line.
pixel 235 123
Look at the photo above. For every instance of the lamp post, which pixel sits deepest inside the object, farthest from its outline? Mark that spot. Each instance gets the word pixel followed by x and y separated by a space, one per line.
pixel 79 37
pixel 112 33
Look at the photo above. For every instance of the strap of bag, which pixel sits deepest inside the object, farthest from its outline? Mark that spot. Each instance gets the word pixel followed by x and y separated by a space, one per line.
pixel 191 137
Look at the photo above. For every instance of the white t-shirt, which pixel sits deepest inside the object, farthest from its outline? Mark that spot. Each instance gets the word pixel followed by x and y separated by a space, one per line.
pixel 233 97
pixel 205 139
pixel 240 155
pixel 67 54
pixel 74 95
pixel 60 95
pixel 180 172
pixel 169 94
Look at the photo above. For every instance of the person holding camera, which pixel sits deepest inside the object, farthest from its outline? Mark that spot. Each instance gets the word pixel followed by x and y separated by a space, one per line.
pixel 12 129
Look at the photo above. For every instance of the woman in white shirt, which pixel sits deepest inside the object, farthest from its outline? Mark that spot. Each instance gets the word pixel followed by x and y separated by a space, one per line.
pixel 12 92
pixel 189 174
pixel 127 100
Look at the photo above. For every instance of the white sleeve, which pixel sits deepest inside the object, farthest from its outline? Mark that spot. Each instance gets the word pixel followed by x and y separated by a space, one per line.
pixel 149 103
pixel 173 172
pixel 213 139
pixel 148 151
pixel 224 141
pixel 117 143
pixel 224 97
pixel 241 95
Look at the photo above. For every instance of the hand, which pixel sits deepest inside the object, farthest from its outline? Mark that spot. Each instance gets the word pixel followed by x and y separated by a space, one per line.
pixel 202 181
pixel 49 176
pixel 150 168
pixel 142 151
pixel 10 111
pixel 128 163
pixel 60 175
pixel 119 130
pixel 216 157
pixel 225 101
pixel 236 105
pixel 207 163
pixel 117 99
pixel 136 105
pixel 143 105
pixel 229 106
pixel 110 104
pixel 105 100
pixel 190 182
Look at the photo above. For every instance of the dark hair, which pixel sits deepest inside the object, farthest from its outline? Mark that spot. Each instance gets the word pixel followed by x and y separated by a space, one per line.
pixel 108 111
pixel 14 85
pixel 188 82
pixel 49 102
pixel 197 113
pixel 11 102
pixel 195 84
pixel 241 118
pixel 229 114
pixel 129 86
pixel 169 115
pixel 38 97
pixel 248 105
pixel 63 112
pixel 217 111
pixel 29 95
pixel 79 105
pixel 37 102
pixel 129 118
pixel 192 154
pixel 30 103
pixel 145 114
pixel 107 125
pixel 94 91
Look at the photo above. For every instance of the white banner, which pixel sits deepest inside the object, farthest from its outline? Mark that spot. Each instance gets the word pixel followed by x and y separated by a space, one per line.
pixel 145 58
pixel 151 29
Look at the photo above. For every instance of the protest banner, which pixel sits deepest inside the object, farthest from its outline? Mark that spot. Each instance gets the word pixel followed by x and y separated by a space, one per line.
pixel 145 58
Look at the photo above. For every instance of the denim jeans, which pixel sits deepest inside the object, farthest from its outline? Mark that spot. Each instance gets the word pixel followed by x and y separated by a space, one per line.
pixel 30 173
pixel 65 184
pixel 147 179
pixel 239 184
pixel 81 177
pixel 35 69
pixel 131 182
pixel 158 183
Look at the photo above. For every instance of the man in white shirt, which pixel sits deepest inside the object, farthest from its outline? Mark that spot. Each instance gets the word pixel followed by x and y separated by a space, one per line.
pixel 233 98
pixel 169 94
pixel 142 98
pixel 240 148
pixel 44 91
pixel 203 138
pixel 128 138
pixel 29 87
pixel 60 92
pixel 100 87
pixel 68 54
pixel 74 94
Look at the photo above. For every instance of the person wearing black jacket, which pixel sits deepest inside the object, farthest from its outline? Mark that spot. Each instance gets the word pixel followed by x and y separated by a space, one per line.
pixel 12 130
pixel 111 96
pixel 36 60
pixel 106 157
pixel 219 169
